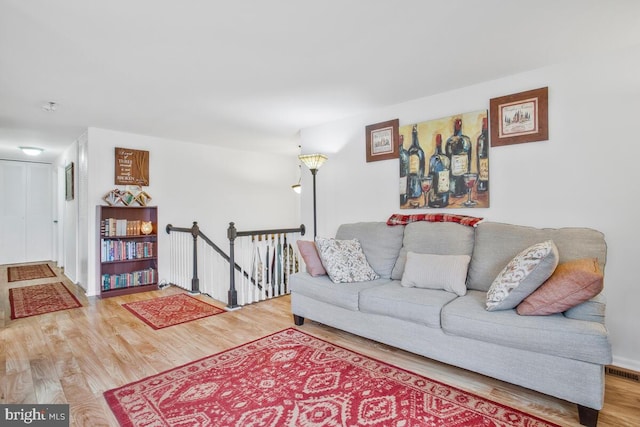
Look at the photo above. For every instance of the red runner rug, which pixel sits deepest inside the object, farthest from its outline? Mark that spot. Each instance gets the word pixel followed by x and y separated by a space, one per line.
pixel 171 310
pixel 40 299
pixel 29 272
pixel 294 379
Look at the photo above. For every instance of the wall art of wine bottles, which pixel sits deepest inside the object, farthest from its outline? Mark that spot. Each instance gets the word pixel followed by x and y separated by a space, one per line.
pixel 444 163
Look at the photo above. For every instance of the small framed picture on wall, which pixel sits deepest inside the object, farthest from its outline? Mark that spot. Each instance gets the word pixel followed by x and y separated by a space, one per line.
pixel 68 182
pixel 520 117
pixel 382 141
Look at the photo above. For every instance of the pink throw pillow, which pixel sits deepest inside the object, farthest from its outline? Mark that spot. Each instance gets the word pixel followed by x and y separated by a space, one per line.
pixel 572 283
pixel 311 258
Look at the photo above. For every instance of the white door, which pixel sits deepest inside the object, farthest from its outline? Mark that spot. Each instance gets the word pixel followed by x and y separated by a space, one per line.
pixel 26 225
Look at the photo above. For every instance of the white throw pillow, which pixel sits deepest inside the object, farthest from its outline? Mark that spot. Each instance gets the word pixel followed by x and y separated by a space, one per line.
pixel 429 271
pixel 522 275
pixel 344 260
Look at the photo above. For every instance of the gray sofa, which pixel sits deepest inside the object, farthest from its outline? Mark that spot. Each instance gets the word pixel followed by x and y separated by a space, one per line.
pixel 562 355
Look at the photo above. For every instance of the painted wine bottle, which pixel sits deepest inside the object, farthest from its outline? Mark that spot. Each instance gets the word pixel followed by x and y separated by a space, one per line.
pixel 416 166
pixel 482 150
pixel 458 150
pixel 404 171
pixel 439 171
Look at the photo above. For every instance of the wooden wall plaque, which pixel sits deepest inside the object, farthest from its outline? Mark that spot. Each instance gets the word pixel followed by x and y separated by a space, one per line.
pixel 132 167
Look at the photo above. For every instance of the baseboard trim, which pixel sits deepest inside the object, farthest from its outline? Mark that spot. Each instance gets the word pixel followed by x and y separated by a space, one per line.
pixel 626 363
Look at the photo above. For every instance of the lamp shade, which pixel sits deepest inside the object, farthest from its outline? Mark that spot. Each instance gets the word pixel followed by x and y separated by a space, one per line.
pixel 313 161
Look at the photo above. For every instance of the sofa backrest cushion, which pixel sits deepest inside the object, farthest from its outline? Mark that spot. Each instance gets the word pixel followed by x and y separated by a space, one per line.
pixel 380 243
pixel 497 243
pixel 437 238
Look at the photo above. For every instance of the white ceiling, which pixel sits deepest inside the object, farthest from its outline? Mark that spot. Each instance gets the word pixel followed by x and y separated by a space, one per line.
pixel 249 74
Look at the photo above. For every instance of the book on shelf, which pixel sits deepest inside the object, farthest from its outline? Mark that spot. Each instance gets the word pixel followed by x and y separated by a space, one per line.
pixel 111 227
pixel 119 250
pixel 128 280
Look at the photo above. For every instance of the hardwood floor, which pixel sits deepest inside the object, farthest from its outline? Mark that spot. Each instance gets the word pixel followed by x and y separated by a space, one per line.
pixel 73 356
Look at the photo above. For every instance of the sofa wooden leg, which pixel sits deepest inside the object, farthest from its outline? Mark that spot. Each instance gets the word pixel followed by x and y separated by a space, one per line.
pixel 298 320
pixel 588 416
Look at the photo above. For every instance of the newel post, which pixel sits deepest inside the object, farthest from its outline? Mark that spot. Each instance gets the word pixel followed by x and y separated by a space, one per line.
pixel 233 294
pixel 195 282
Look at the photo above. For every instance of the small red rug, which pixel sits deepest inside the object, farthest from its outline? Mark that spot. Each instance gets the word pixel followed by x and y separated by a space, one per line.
pixel 40 299
pixel 29 272
pixel 171 310
pixel 294 379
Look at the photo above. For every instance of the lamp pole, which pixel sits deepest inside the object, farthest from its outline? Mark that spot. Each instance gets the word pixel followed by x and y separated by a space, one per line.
pixel 315 227
pixel 313 162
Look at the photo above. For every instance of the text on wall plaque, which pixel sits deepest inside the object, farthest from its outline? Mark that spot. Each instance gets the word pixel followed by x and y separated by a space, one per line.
pixel 132 167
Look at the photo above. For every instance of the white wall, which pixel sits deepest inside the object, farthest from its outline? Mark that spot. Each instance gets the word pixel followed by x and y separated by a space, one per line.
pixel 67 215
pixel 582 176
pixel 194 182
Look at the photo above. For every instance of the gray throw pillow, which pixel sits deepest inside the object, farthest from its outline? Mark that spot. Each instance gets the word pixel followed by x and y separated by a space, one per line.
pixel 430 271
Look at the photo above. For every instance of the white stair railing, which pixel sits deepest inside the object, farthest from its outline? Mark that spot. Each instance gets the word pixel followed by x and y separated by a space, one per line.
pixel 261 262
pixel 267 259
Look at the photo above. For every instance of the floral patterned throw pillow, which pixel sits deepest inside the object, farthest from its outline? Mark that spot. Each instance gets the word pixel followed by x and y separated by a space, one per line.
pixel 522 275
pixel 344 260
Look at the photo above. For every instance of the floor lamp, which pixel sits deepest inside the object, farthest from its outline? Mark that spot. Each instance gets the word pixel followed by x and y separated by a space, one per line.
pixel 313 162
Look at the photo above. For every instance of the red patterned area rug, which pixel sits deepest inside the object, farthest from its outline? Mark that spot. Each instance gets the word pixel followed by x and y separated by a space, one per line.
pixel 171 310
pixel 29 272
pixel 40 299
pixel 294 379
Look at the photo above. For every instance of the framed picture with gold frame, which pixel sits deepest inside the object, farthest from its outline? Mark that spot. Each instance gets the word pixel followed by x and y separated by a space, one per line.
pixel 382 141
pixel 520 117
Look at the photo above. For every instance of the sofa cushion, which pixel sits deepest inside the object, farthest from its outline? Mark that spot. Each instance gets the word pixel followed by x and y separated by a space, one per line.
pixel 416 305
pixel 496 243
pixel 445 272
pixel 439 238
pixel 555 335
pixel 309 254
pixel 321 288
pixel 344 260
pixel 592 310
pixel 572 283
pixel 381 243
pixel 522 275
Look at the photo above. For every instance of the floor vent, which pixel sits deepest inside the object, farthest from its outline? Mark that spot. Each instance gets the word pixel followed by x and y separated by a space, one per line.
pixel 623 373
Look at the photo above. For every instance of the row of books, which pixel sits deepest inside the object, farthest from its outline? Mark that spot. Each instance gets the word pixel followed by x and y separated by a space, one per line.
pixel 119 250
pixel 110 227
pixel 128 280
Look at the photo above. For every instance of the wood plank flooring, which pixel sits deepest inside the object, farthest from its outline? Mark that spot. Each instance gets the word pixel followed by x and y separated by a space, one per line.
pixel 73 356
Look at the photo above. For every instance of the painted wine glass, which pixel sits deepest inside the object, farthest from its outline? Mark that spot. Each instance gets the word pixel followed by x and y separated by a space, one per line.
pixel 426 182
pixel 470 180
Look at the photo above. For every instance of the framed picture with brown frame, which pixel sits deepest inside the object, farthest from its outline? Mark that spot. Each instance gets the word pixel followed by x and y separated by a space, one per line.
pixel 382 141
pixel 520 117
